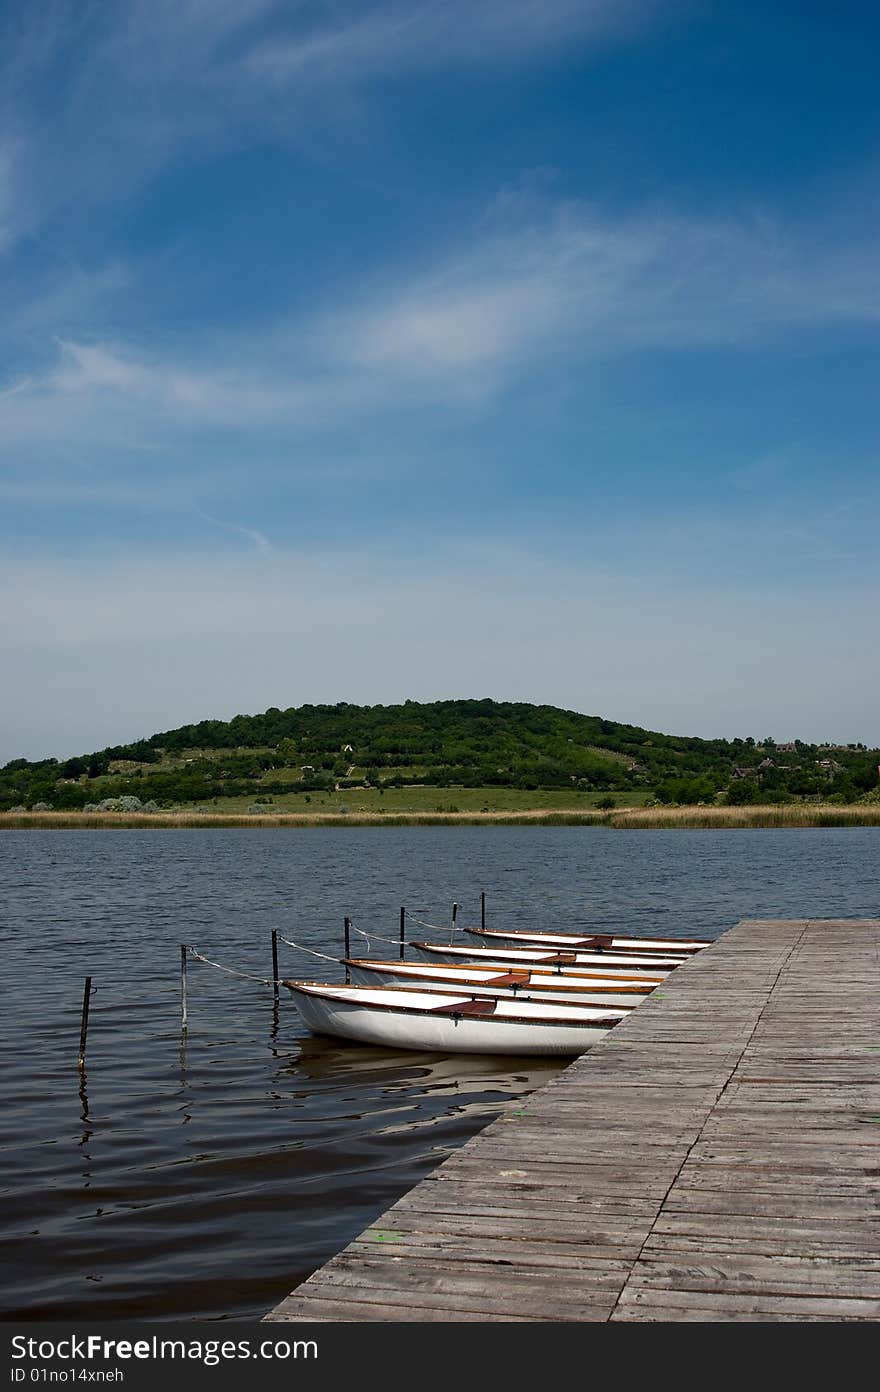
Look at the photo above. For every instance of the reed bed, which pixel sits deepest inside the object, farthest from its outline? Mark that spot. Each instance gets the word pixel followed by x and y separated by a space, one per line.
pixel 787 815
pixel 625 819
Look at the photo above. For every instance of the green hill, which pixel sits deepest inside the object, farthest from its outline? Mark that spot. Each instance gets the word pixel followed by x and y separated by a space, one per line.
pixel 492 746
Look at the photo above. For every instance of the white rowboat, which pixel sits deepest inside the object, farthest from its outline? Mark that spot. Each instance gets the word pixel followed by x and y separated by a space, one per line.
pixel 516 984
pixel 603 942
pixel 603 962
pixel 403 1018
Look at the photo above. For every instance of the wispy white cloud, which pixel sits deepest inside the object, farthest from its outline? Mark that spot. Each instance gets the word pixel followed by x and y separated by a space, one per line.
pixel 86 366
pixel 253 534
pixel 118 394
pixel 97 100
pixel 69 294
pixel 432 33
pixel 599 287
pixel 550 282
pixel 22 386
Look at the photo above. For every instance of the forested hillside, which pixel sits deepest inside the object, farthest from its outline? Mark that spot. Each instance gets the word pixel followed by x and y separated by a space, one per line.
pixel 443 744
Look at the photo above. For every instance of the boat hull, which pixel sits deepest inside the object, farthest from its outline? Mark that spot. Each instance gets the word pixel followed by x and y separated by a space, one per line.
pixel 670 947
pixel 429 1032
pixel 602 963
pixel 386 974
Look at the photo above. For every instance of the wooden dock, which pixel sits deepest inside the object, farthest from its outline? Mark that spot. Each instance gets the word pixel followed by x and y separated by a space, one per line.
pixel 717 1157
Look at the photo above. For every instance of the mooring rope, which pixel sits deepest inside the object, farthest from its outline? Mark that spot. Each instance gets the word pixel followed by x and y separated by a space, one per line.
pixel 395 942
pixel 434 927
pixel 246 976
pixel 301 948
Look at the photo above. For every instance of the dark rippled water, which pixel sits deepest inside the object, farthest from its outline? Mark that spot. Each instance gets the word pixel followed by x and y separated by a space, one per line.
pixel 207 1178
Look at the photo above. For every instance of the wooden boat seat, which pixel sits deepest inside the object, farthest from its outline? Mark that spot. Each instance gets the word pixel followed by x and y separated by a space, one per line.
pixel 471 1007
pixel 511 978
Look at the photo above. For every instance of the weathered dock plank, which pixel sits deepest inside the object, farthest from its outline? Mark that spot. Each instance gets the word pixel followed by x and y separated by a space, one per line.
pixel 716 1158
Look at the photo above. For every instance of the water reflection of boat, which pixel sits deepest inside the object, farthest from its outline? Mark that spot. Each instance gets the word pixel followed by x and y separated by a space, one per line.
pixel 330 1062
pixel 407 1018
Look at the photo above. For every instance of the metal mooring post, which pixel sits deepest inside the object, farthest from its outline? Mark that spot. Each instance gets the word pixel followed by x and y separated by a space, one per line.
pixel 84 1025
pixel 183 985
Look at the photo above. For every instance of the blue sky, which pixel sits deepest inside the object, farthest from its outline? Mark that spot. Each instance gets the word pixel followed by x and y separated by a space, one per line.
pixel 371 351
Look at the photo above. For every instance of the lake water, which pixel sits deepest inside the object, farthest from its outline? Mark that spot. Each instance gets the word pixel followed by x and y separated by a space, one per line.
pixel 205 1177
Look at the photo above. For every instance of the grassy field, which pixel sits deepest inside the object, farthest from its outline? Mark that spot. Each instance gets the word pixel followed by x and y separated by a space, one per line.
pixel 423 800
pixel 209 818
pixel 632 818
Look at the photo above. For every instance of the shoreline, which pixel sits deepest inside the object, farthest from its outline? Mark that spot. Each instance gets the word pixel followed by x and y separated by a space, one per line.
pixel 627 819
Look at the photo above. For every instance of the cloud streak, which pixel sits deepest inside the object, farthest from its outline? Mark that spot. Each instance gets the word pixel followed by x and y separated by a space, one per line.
pixel 253 534
pixel 600 288
pixel 98 100
pixel 555 283
pixel 441 33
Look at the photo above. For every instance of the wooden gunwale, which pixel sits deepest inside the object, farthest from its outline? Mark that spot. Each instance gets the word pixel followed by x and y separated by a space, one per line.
pixel 513 957
pixel 327 992
pixel 591 942
pixel 567 982
pixel 471 992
